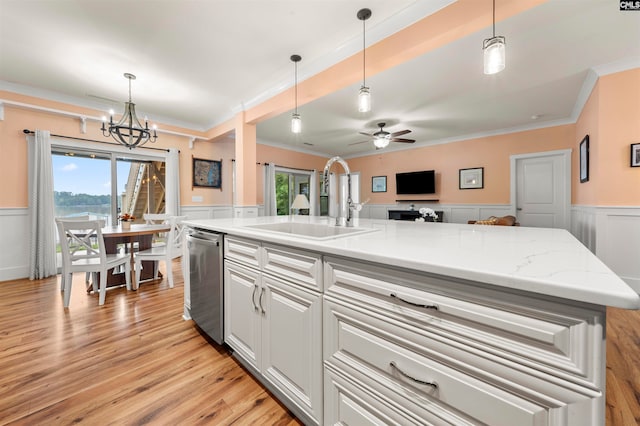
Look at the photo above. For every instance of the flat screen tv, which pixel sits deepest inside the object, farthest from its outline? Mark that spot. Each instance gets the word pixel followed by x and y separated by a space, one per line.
pixel 423 182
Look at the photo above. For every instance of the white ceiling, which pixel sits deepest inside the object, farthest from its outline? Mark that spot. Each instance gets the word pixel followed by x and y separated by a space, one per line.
pixel 200 62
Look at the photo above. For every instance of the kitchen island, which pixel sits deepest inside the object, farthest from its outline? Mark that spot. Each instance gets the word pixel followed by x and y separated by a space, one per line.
pixel 447 323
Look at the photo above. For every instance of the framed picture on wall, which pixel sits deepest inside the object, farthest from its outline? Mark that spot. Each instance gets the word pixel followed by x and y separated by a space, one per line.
pixel 207 173
pixel 584 159
pixel 379 184
pixel 635 155
pixel 471 178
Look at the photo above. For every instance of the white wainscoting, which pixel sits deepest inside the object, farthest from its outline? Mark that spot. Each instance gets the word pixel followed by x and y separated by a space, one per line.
pixel 207 212
pixel 618 241
pixel 453 213
pixel 583 225
pixel 15 233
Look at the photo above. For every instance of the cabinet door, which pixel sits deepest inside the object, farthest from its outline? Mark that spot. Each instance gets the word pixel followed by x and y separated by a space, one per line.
pixel 292 343
pixel 242 313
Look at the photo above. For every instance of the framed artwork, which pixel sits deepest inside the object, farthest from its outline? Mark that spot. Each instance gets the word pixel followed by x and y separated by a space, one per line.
pixel 584 159
pixel 379 184
pixel 471 178
pixel 635 155
pixel 207 173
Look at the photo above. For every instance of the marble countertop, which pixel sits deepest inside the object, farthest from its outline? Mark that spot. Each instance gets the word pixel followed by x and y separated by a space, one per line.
pixel 539 260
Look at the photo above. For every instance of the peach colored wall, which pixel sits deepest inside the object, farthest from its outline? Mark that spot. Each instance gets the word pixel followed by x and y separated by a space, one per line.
pixel 611 118
pixel 493 153
pixel 588 124
pixel 285 158
pixel 13 145
pixel 619 126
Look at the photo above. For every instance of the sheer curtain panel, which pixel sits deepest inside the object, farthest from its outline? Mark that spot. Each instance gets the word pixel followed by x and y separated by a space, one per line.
pixel 42 243
pixel 172 182
pixel 269 193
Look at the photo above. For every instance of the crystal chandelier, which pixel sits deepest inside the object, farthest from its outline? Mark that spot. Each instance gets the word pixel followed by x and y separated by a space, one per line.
pixel 128 131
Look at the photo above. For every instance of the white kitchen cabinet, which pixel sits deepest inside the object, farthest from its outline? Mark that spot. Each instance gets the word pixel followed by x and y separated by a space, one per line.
pixel 275 327
pixel 459 349
pixel 242 317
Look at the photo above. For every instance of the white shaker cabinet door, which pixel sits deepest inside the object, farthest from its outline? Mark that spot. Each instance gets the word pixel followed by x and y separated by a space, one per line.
pixel 242 313
pixel 292 343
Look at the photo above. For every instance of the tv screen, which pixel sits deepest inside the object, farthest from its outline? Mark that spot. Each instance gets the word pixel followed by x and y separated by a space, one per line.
pixel 423 182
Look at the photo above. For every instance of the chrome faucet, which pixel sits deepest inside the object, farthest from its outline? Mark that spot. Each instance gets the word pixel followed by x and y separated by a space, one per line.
pixel 351 206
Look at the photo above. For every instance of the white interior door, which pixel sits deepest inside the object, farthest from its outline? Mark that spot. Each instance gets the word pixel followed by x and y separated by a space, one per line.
pixel 541 188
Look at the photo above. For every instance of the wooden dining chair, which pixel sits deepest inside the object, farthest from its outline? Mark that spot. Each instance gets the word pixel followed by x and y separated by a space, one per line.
pixel 166 253
pixel 83 250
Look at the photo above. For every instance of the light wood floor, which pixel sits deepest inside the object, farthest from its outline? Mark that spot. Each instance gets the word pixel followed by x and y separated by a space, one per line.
pixel 135 361
pixel 132 361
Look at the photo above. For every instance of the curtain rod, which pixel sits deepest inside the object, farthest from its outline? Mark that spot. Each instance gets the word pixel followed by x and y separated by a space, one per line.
pixel 27 131
pixel 287 167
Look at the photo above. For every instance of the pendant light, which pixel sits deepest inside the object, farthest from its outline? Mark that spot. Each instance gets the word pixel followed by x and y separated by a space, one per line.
pixel 128 131
pixel 296 122
pixel 364 97
pixel 494 50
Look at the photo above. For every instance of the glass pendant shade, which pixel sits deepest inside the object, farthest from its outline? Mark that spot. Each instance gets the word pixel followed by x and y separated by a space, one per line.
pixel 296 123
pixel 494 55
pixel 381 142
pixel 364 99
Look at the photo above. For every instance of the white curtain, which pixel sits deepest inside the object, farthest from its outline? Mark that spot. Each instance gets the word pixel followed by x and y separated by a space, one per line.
pixel 334 208
pixel 314 201
pixel 42 243
pixel 269 190
pixel 172 183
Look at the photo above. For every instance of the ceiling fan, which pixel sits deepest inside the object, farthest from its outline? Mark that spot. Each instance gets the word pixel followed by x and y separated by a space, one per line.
pixel 381 138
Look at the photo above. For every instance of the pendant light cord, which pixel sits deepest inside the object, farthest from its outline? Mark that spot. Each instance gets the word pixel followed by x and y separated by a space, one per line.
pixel 494 18
pixel 364 54
pixel 296 86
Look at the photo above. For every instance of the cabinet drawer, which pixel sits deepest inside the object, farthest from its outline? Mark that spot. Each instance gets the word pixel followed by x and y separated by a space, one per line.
pixel 298 266
pixel 349 401
pixel 246 252
pixel 426 376
pixel 541 334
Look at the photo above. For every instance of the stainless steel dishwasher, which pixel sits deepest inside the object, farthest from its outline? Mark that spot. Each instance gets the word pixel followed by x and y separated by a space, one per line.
pixel 205 274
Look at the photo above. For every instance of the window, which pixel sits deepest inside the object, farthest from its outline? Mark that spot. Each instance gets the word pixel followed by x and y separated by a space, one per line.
pixel 103 185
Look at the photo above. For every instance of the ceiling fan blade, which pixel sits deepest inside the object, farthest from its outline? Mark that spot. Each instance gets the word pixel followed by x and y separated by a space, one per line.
pixel 358 143
pixel 366 134
pixel 400 133
pixel 402 140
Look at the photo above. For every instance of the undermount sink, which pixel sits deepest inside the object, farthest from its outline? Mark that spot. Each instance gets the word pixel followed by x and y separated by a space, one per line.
pixel 311 230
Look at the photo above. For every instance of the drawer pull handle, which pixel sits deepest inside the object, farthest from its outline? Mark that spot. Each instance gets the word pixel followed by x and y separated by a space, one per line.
pixel 414 304
pixel 253 297
pixel 421 382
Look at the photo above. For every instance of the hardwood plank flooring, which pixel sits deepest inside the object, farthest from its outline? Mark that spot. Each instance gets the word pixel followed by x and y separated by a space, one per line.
pixel 134 361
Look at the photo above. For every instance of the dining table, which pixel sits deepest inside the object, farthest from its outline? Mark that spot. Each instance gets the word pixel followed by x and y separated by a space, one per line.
pixel 142 234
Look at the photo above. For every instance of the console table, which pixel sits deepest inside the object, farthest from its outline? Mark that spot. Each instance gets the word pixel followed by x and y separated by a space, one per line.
pixel 412 215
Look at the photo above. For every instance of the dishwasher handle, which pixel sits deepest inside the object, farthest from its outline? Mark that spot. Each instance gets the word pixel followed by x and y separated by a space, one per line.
pixel 207 241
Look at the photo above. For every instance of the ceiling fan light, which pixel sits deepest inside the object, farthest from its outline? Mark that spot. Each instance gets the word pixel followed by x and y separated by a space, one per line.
pixel 494 54
pixel 296 123
pixel 381 142
pixel 364 99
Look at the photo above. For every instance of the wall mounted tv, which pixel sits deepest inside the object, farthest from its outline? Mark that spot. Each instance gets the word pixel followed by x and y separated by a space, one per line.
pixel 423 182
